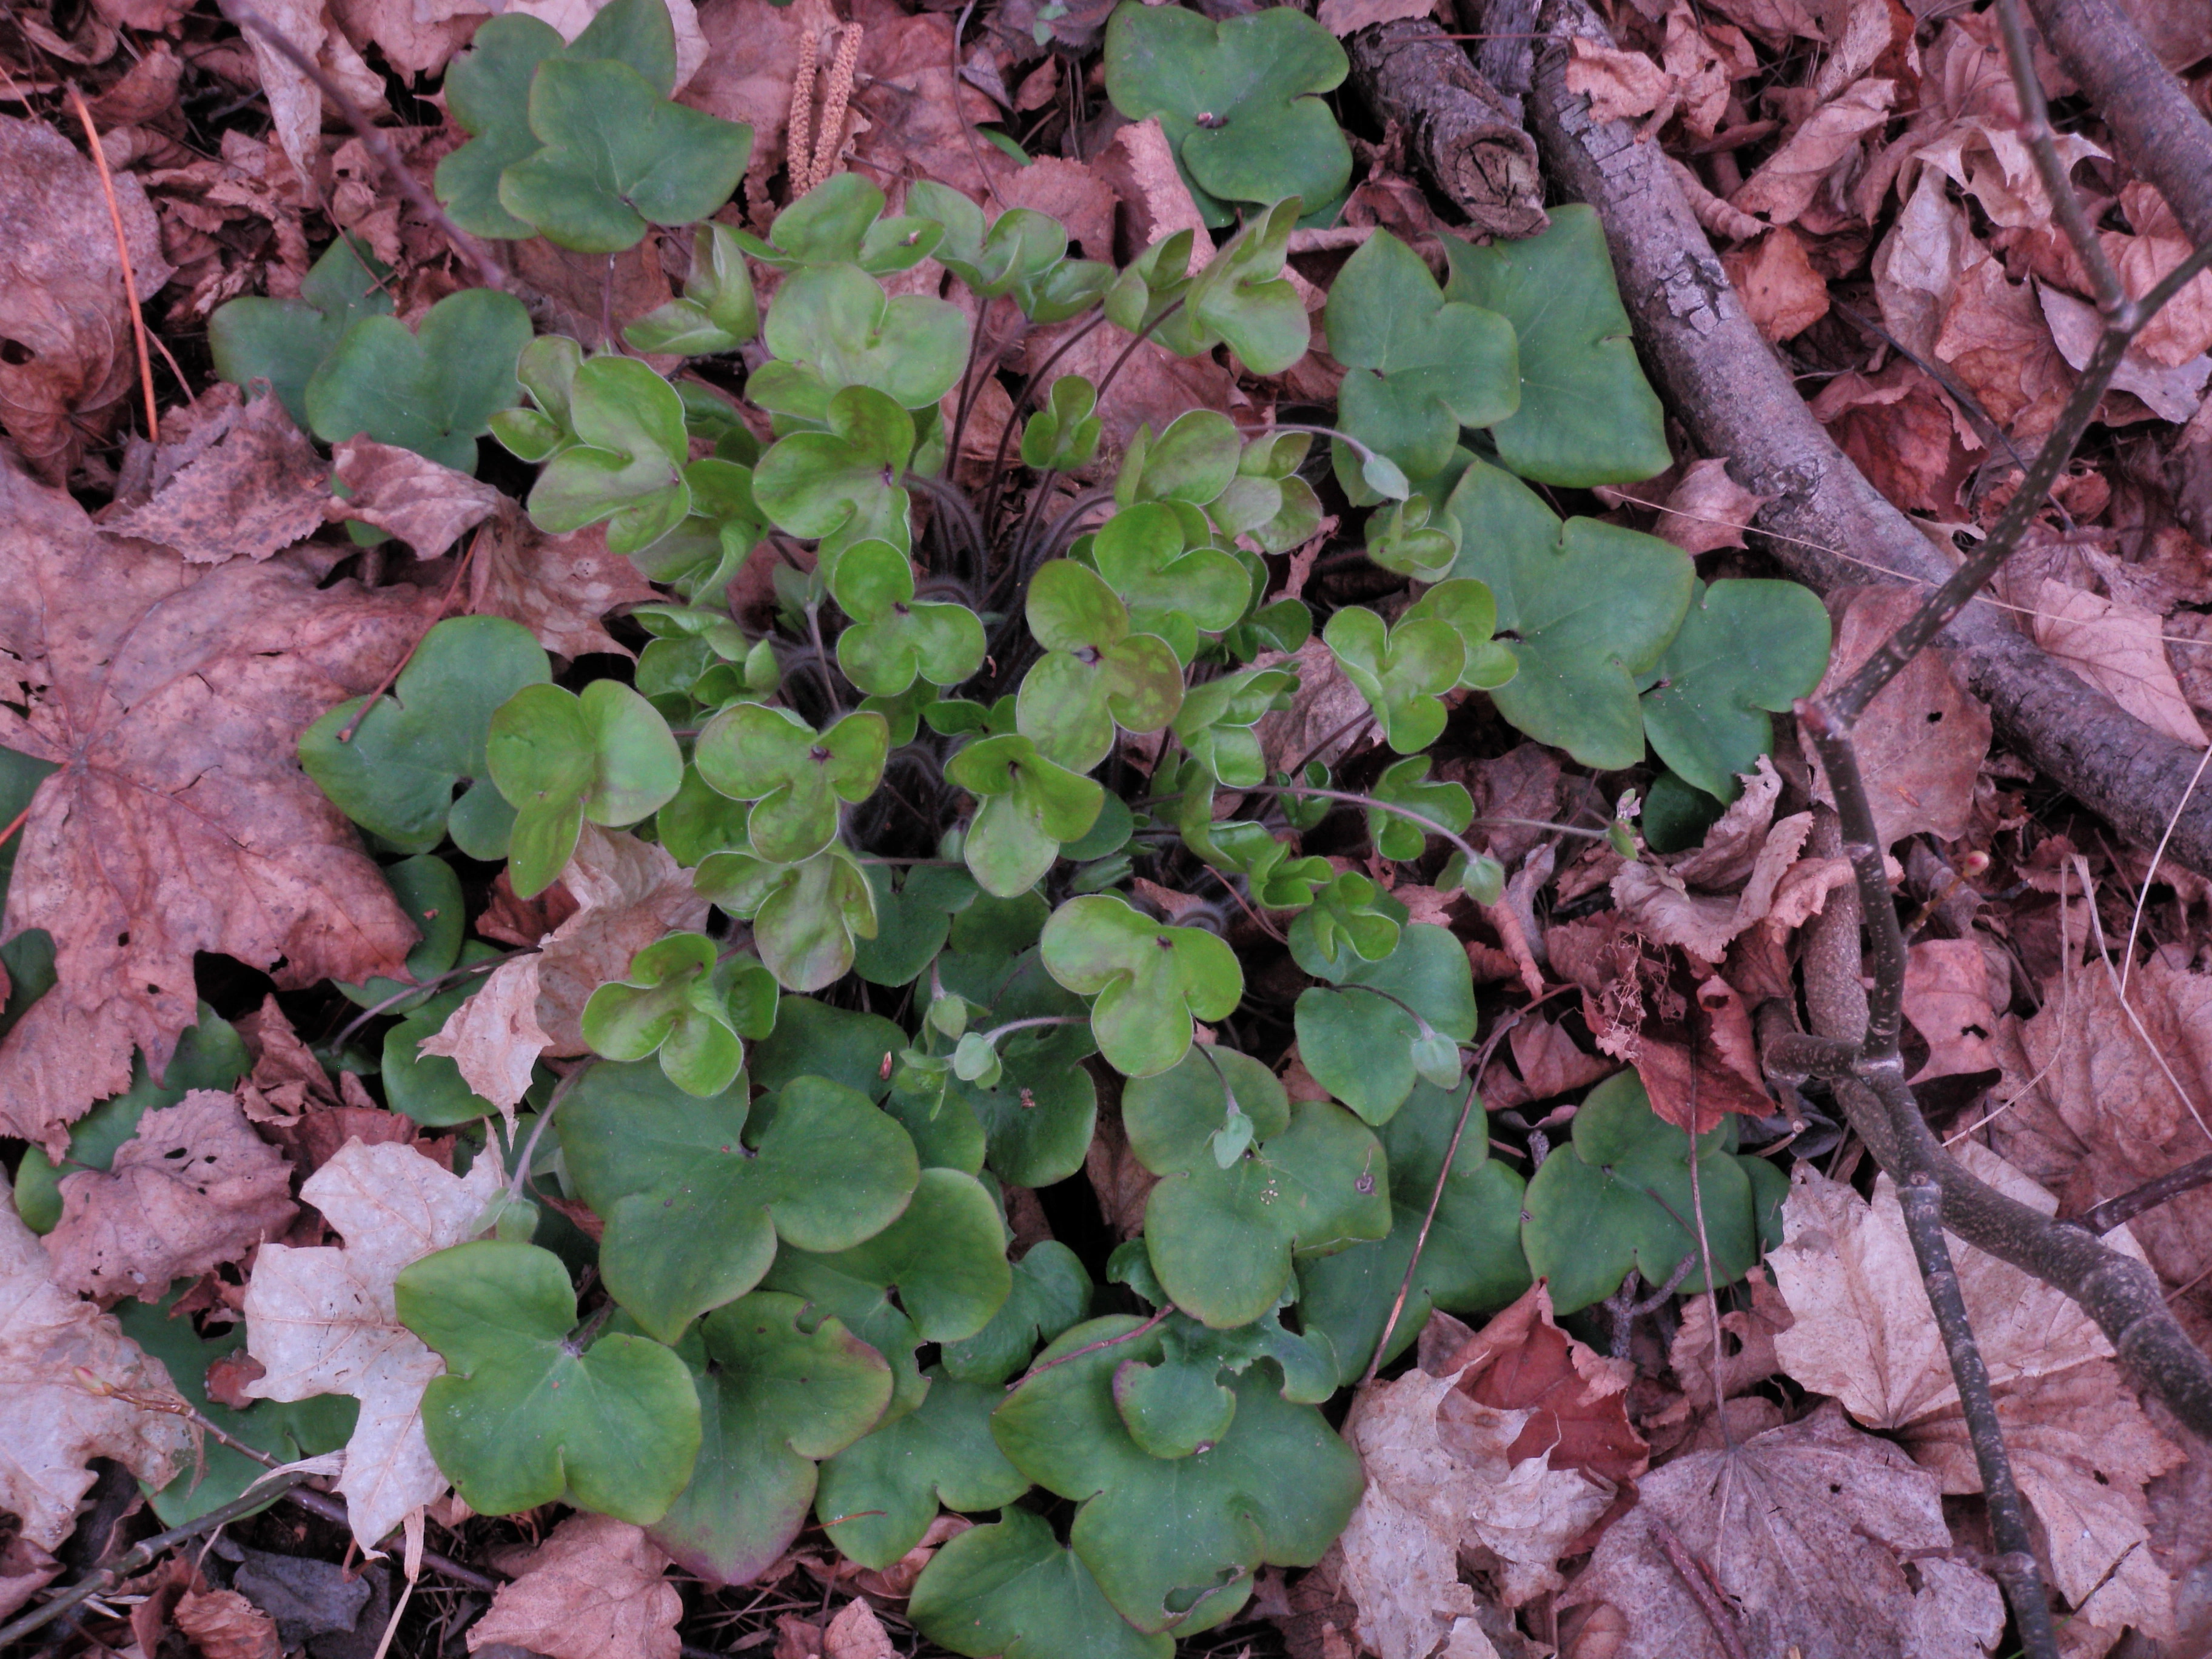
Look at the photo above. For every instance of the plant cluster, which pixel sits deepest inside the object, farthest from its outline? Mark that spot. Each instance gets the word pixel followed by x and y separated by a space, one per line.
pixel 918 794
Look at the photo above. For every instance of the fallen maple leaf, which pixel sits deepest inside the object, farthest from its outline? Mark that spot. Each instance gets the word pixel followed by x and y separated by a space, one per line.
pixel 193 1188
pixel 1577 1398
pixel 1806 1530
pixel 1947 998
pixel 1788 181
pixel 427 506
pixel 54 1351
pixel 2120 649
pixel 557 586
pixel 2080 1447
pixel 321 1320
pixel 170 698
pixel 595 1591
pixel 224 1624
pixel 252 486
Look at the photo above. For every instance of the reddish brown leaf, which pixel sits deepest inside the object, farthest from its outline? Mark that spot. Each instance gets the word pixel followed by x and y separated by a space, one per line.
pixel 1575 1397
pixel 425 505
pixel 257 491
pixel 224 1624
pixel 1781 290
pixel 595 1591
pixel 557 586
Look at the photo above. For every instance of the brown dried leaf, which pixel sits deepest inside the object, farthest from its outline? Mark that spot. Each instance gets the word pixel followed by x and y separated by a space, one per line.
pixel 1708 509
pixel 752 57
pixel 595 1591
pixel 254 492
pixel 1577 1398
pixel 1922 741
pixel 70 368
pixel 224 1624
pixel 2183 328
pixel 1947 998
pixel 193 1188
pixel 2120 649
pixel 495 1037
pixel 1805 1529
pixel 179 821
pixel 425 505
pixel 1324 720
pixel 1350 16
pixel 1621 85
pixel 2081 1447
pixel 321 1320
pixel 1658 900
pixel 1782 292
pixel 856 1633
pixel 54 1425
pixel 1788 181
pixel 295 103
pixel 1998 346
pixel 1549 1061
pixel 1700 1068
pixel 2172 394
pixel 1899 429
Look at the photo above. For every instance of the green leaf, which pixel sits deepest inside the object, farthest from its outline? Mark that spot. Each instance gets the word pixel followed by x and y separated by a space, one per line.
pixel 287 1431
pixel 1215 722
pixel 1746 647
pixel 1027 809
pixel 695 1195
pixel 1171 1117
pixel 893 639
pixel 1403 783
pixel 717 312
pixel 841 483
pixel 813 1039
pixel 1467 608
pixel 1403 672
pixel 618 158
pixel 1010 1588
pixel 1413 539
pixel 794 775
pixel 833 326
pixel 775 1398
pixel 1148 981
pixel 560 759
pixel 1587 414
pixel 1350 920
pixel 547 369
pixel 1242 296
pixel 806 916
pixel 1617 1196
pixel 397 776
pixel 1096 674
pixel 521 1418
pixel 835 223
pixel 627 464
pixel 1051 1292
pixel 911 921
pixel 1194 460
pixel 1037 1117
pixel 433 391
pixel 283 342
pixel 1471 1262
pixel 1141 553
pixel 1177 1407
pixel 1064 435
pixel 1174 1542
pixel 430 893
pixel 878 1496
pixel 1592 608
pixel 673 1002
pixel 1421 367
pixel 1234 100
pixel 1359 1046
pixel 1222 1241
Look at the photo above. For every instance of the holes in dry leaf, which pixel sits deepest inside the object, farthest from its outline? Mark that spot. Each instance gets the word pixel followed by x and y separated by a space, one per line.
pixel 16 354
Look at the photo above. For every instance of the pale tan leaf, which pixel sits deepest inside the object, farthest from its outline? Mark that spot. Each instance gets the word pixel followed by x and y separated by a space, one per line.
pixel 1140 166
pixel 856 1633
pixel 1782 292
pixel 1805 1529
pixel 1621 85
pixel 1707 509
pixel 321 1320
pixel 595 1591
pixel 427 506
pixel 1947 998
pixel 53 1425
pixel 629 893
pixel 1349 16
pixel 752 57
pixel 1788 181
pixel 258 488
pixel 2172 394
pixel 1327 716
pixel 224 1624
pixel 2183 328
pixel 495 1037
pixel 2117 648
pixel 194 1187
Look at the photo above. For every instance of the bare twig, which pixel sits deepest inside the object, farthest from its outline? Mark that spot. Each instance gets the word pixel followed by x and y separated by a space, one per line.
pixel 1129 1335
pixel 1697 1580
pixel 2116 1212
pixel 122 259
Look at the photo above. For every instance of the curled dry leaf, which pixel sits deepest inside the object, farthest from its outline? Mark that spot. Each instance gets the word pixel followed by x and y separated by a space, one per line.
pixel 321 1321
pixel 179 820
pixel 1324 721
pixel 557 586
pixel 856 1633
pixel 71 369
pixel 595 1591
pixel 1621 85
pixel 427 506
pixel 258 488
pixel 2120 649
pixel 224 1624
pixel 1788 181
pixel 193 1188
pixel 1806 1530
pixel 1707 509
pixel 54 1425
pixel 2081 1448
pixel 2183 328
pixel 1577 1398
pixel 1688 901
pixel 2172 394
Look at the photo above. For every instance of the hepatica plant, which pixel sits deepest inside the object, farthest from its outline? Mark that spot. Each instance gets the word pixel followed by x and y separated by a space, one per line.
pixel 914 805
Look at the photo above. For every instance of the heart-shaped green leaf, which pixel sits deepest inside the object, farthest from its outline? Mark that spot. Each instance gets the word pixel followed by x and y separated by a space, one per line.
pixel 1242 297
pixel 547 369
pixel 1038 1114
pixel 1027 809
pixel 1421 367
pixel 1469 608
pixel 1173 1119
pixel 1471 1262
pixel 814 1039
pixel 806 916
pixel 1235 98
pixel 1012 1588
pixel 695 1195
pixel 794 775
pixel 833 326
pixel 1746 647
pixel 775 1398
pixel 523 1416
pixel 1350 920
pixel 1403 672
pixel 1413 539
pixel 717 312
pixel 1051 1293
pixel 1064 435
pixel 1216 721
pixel 679 1001
pixel 619 157
pixel 893 639
pixel 1358 1044
pixel 396 776
pixel 837 223
pixel 1141 553
pixel 1096 672
pixel 283 342
pixel 1617 1196
pixel 843 483
pixel 1148 981
pixel 1174 1542
pixel 1222 1241
pixel 878 1496
pixel 1176 1406
pixel 1591 607
pixel 1404 783
pixel 1193 460
pixel 433 391
pixel 627 463
pixel 560 759
pixel 1587 416
pixel 912 920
